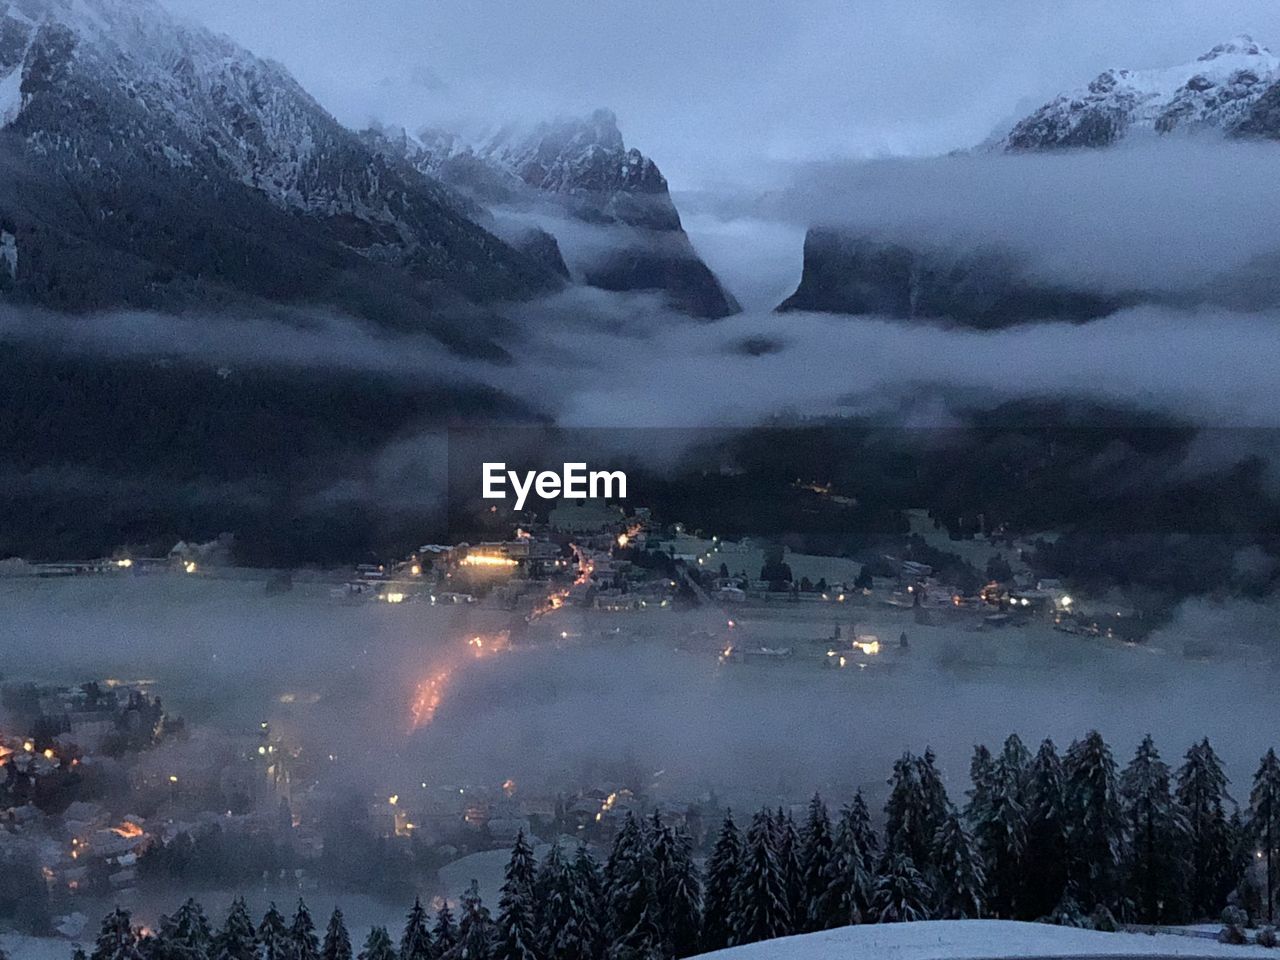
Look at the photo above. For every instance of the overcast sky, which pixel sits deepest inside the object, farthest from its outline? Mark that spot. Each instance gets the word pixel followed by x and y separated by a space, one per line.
pixel 711 87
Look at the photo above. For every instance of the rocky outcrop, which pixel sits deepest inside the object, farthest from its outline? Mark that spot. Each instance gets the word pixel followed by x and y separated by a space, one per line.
pixel 985 290
pixel 586 172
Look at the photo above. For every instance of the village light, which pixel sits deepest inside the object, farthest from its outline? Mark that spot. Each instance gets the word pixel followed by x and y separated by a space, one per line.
pixel 190 566
pixel 1067 601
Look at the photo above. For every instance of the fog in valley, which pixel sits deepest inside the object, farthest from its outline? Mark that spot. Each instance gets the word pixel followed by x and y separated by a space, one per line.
pixel 341 680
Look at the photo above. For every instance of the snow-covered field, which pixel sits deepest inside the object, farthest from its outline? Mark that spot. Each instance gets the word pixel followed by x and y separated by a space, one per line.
pixel 976 940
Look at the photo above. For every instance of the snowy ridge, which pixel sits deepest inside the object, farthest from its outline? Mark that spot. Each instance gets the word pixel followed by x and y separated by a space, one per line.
pixel 583 162
pixel 122 92
pixel 1216 91
pixel 976 940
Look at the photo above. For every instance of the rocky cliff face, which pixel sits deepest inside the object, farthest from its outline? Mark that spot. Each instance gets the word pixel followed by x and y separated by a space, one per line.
pixel 1218 92
pixel 585 170
pixel 985 290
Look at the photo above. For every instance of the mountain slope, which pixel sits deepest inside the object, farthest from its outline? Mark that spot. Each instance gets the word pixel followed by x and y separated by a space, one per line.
pixel 1215 92
pixel 583 168
pixel 196 161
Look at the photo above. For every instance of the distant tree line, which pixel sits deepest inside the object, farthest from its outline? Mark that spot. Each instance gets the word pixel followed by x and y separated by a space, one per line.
pixel 1069 839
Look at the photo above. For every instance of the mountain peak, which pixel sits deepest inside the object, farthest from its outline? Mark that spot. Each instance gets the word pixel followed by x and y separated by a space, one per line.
pixel 1216 92
pixel 1241 44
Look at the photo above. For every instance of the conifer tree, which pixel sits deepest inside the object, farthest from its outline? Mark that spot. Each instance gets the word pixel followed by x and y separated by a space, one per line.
pixel 630 895
pixel 787 844
pixel 852 874
pixel 981 774
pixel 680 898
pixel 935 804
pixel 815 864
pixel 236 940
pixel 185 935
pixel 960 887
pixel 905 813
pixel 1045 880
pixel 1264 822
pixel 1000 830
pixel 589 891
pixel 1157 832
pixel 337 942
pixel 415 942
pixel 759 894
pixel 1201 791
pixel 444 935
pixel 517 933
pixel 562 932
pixel 304 942
pixel 1015 761
pixel 901 893
pixel 1095 823
pixel 475 928
pixel 378 946
pixel 273 936
pixel 720 915
pixel 117 940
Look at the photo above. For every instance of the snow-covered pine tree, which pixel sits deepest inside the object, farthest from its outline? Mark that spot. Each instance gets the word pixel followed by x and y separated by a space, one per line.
pixel 589 893
pixel 337 942
pixel 961 881
pixel 1264 823
pixel 1157 859
pixel 304 942
pixel 661 842
pixel 933 793
pixel 1095 822
pixel 719 914
pixel 236 940
pixel 117 940
pixel 377 946
pixel 1045 878
pixel 905 812
pixel 815 864
pixel 901 893
pixel 273 935
pixel 680 898
pixel 561 911
pixel 787 844
pixel 517 934
pixel 1015 760
pixel 475 929
pixel 444 934
pixel 852 872
pixel 981 772
pixel 631 895
pixel 186 935
pixel 759 894
pixel 1000 831
pixel 1201 791
pixel 415 942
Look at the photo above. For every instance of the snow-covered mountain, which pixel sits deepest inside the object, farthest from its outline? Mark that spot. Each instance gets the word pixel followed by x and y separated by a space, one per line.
pixel 188 152
pixel 582 167
pixel 1225 90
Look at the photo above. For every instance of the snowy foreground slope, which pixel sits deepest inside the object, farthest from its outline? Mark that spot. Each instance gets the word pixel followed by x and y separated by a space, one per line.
pixel 975 939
